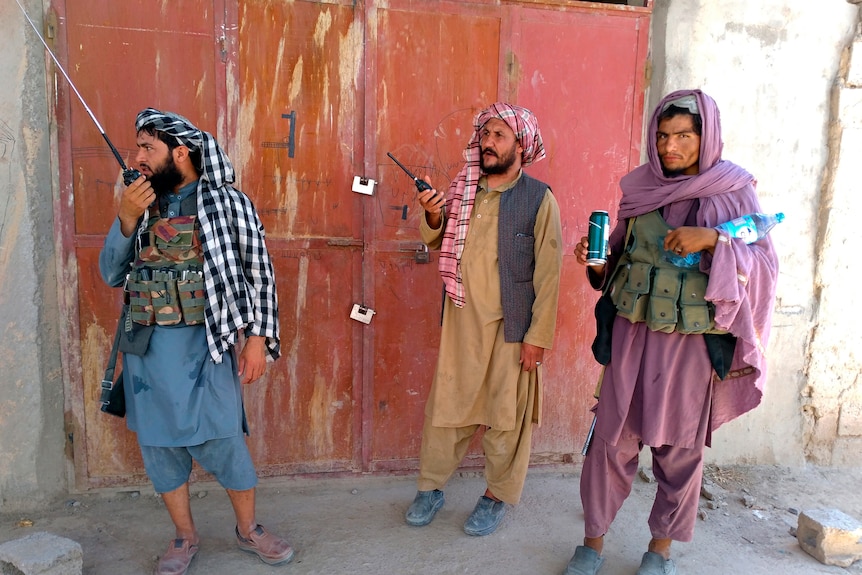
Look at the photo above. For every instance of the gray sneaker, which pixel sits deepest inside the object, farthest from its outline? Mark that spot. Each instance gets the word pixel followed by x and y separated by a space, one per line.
pixel 655 564
pixel 425 505
pixel 585 561
pixel 486 517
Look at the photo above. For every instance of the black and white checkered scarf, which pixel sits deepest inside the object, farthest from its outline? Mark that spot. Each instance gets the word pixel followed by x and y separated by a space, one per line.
pixel 238 273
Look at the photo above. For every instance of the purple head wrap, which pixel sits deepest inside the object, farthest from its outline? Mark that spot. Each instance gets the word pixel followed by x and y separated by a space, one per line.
pixel 646 188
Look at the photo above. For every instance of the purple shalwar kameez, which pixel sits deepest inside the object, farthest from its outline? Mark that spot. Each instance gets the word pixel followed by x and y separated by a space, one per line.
pixel 660 388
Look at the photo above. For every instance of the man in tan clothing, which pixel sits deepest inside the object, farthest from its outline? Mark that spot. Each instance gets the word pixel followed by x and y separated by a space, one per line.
pixel 500 240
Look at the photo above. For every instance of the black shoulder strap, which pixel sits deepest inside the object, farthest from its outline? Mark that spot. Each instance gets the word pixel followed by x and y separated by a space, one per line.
pixel 108 380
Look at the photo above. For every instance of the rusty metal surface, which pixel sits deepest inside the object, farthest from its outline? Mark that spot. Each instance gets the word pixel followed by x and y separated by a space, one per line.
pixel 619 5
pixel 298 115
pixel 423 110
pixel 122 58
pixel 301 413
pixel 304 96
pixel 581 71
pixel 298 118
pixel 590 103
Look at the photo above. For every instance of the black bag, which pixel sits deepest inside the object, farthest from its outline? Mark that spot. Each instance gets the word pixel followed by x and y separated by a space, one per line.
pixel 112 398
pixel 606 312
pixel 720 348
pixel 136 337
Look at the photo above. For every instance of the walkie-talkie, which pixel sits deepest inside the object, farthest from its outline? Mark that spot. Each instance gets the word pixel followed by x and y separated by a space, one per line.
pixel 421 185
pixel 130 175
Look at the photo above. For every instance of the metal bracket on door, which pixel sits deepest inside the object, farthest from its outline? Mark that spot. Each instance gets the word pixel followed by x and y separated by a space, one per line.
pixel 363 185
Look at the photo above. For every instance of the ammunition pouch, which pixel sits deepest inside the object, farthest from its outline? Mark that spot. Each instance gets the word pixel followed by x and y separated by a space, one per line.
pixel 166 300
pixel 135 338
pixel 166 286
pixel 668 300
pixel 646 287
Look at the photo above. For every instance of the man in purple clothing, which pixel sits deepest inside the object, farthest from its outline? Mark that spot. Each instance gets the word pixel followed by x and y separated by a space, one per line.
pixel 688 340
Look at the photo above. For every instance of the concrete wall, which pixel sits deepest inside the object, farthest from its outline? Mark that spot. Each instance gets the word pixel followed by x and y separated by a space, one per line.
pixel 773 67
pixel 32 461
pixel 833 392
pixel 791 101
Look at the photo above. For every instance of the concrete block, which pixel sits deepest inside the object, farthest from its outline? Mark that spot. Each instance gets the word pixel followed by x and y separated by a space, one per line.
pixel 41 553
pixel 830 536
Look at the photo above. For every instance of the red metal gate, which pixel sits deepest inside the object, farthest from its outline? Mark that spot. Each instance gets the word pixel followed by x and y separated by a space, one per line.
pixel 434 65
pixel 305 96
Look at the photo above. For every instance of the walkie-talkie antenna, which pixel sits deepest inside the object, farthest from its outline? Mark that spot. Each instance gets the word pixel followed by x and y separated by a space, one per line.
pixel 129 174
pixel 421 185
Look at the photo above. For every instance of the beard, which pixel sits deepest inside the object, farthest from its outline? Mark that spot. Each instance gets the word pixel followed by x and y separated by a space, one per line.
pixel 503 164
pixel 166 178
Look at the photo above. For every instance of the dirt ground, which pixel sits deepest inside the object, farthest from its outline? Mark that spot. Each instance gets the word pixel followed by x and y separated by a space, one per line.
pixel 356 526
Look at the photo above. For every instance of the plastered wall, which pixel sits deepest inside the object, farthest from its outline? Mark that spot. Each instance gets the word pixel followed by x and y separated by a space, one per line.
pixel 32 460
pixel 774 69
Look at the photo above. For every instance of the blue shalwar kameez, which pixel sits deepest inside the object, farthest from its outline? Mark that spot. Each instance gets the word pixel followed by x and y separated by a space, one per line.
pixel 173 398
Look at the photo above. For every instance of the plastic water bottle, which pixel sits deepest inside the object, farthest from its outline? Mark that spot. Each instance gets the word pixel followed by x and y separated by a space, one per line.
pixel 749 228
pixel 690 261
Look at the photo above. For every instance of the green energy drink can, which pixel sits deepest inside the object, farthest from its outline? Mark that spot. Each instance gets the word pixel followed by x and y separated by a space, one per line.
pixel 600 231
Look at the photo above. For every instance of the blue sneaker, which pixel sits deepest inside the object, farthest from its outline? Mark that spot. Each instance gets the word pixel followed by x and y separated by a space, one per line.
pixel 585 561
pixel 486 517
pixel 424 507
pixel 655 564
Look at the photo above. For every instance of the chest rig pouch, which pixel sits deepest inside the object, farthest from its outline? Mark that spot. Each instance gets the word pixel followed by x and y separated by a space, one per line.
pixel 647 287
pixel 166 284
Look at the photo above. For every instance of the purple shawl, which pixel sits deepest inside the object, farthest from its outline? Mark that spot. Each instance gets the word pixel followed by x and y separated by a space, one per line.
pixel 742 277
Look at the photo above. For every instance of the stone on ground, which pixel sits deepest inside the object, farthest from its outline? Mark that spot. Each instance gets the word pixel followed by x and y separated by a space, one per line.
pixel 830 536
pixel 41 553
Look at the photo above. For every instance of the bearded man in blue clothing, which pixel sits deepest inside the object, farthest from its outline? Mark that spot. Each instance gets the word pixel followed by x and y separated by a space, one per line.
pixel 190 251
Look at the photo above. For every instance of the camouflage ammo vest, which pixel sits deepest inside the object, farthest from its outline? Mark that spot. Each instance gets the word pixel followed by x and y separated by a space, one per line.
pixel 166 284
pixel 647 287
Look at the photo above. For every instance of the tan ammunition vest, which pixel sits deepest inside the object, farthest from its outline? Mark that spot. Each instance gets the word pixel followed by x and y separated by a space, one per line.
pixel 647 287
pixel 166 284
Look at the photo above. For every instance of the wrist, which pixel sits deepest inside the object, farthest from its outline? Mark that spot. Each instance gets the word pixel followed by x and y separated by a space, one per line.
pixel 713 241
pixel 127 225
pixel 433 220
